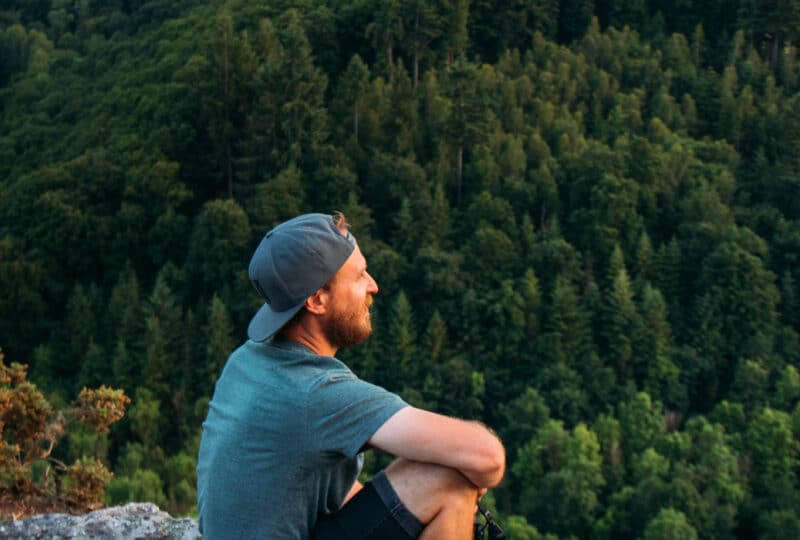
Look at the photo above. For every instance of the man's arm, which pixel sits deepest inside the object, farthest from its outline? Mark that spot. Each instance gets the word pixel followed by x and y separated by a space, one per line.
pixel 428 437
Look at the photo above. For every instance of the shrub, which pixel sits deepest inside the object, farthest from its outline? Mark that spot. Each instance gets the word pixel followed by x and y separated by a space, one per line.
pixel 30 430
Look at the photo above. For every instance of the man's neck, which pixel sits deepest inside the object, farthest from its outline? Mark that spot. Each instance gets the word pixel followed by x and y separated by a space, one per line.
pixel 314 340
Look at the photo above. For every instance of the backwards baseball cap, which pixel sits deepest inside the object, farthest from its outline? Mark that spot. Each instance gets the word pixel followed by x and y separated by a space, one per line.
pixel 292 262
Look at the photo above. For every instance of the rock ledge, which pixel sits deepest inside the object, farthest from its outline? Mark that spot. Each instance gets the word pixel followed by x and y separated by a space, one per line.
pixel 142 521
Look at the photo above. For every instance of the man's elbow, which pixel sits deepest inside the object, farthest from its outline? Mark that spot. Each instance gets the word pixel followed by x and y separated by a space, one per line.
pixel 498 468
pixel 493 463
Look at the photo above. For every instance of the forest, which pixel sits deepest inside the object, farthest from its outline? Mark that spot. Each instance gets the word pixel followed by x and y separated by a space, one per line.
pixel 583 215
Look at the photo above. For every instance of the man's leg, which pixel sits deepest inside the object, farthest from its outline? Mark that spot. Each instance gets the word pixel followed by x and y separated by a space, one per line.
pixel 441 498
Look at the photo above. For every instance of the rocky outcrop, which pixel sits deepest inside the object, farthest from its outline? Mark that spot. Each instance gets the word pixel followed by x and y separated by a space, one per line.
pixel 136 520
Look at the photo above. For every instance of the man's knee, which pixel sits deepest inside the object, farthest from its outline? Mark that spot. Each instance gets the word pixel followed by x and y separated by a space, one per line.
pixel 425 489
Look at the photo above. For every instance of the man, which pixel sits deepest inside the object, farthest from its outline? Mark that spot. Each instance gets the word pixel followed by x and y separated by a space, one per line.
pixel 281 447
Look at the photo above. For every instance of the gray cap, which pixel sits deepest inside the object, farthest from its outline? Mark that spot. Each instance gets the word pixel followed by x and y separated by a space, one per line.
pixel 290 264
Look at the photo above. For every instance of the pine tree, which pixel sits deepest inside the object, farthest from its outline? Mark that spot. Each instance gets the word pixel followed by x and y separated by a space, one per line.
pixel 220 342
pixel 350 94
pixel 274 201
pixel 158 361
pixel 668 276
pixel 531 296
pixel 654 369
pixel 80 327
pixel 434 341
pixel 423 24
pixel 620 318
pixel 386 31
pixel 234 65
pixel 669 524
pixel 125 367
pixel 569 322
pixel 303 121
pixel 95 367
pixel 645 260
pixel 220 241
pixel 401 342
pixel 467 118
pixel 125 307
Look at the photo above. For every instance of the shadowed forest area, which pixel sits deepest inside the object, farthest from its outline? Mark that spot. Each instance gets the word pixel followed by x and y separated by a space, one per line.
pixel 584 217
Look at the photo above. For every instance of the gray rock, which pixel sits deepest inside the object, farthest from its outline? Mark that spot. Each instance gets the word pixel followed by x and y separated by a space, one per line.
pixel 134 521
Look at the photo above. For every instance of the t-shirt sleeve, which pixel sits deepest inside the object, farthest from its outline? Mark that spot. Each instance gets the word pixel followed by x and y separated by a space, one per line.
pixel 344 412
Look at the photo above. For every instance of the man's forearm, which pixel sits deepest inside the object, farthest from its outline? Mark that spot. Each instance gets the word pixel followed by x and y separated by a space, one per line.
pixel 488 465
pixel 467 446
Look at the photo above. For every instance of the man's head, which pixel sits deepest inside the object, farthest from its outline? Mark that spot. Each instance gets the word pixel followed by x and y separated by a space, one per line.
pixel 349 296
pixel 311 266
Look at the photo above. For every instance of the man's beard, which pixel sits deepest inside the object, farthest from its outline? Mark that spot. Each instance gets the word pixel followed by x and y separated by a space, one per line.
pixel 349 326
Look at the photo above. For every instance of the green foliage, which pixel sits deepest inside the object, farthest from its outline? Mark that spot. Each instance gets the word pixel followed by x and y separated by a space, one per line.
pixel 219 337
pixel 669 524
pixel 579 213
pixel 143 485
pixel 29 431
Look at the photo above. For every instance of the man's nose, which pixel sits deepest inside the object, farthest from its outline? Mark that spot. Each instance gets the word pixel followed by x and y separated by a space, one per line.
pixel 372 288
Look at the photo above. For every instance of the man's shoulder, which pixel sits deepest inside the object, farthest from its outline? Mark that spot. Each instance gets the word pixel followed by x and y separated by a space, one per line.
pixel 299 369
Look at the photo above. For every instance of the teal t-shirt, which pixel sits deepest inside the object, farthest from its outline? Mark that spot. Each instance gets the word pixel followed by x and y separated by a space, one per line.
pixel 281 443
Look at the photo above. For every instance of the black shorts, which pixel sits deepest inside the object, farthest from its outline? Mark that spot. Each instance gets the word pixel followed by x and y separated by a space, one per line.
pixel 374 513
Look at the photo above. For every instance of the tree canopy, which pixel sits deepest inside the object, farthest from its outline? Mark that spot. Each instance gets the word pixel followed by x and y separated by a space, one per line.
pixel 584 218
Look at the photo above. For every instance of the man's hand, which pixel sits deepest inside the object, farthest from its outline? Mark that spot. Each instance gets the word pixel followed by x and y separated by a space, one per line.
pixel 468 447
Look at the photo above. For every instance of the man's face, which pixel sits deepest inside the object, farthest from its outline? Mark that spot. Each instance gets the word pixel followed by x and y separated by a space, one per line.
pixel 348 319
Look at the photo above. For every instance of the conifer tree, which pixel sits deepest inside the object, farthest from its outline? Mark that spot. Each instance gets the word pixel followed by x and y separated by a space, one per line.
pixel 654 368
pixel 423 24
pixel 220 342
pixel 125 308
pixel 669 524
pixel 569 323
pixel 645 260
pixel 124 367
pixel 274 201
pixel 386 31
pixel 641 423
pixel 220 240
pixel 620 318
pixel 158 360
pixel 234 65
pixel 303 122
pixel 668 276
pixel 434 341
pixel 79 328
pixel 95 367
pixel 401 342
pixel 260 150
pixel 350 94
pixel 467 115
pixel 401 120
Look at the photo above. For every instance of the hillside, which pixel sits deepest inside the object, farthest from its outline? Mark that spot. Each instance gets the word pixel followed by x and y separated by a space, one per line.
pixel 584 218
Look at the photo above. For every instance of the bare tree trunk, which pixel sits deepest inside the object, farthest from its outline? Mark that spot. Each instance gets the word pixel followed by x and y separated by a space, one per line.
pixel 416 48
pixel 230 172
pixel 459 172
pixel 229 165
pixel 390 58
pixel 355 121
pixel 776 45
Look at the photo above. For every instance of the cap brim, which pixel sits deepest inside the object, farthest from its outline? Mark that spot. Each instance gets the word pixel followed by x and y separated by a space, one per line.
pixel 266 323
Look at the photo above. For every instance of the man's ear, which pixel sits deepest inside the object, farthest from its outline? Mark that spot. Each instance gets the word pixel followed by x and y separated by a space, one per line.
pixel 318 302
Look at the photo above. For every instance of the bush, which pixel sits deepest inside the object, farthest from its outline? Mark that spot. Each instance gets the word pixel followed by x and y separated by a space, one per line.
pixel 30 430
